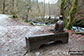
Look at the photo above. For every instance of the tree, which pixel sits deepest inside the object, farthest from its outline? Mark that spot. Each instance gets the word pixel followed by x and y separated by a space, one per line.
pixel 72 13
pixel 3 6
pixel 28 8
pixel 62 9
pixel 13 12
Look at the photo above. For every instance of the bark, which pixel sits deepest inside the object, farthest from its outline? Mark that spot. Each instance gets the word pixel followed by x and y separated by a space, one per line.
pixel 62 9
pixel 72 13
pixel 3 10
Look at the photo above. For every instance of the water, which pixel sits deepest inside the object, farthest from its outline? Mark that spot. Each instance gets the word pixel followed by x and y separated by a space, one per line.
pixel 41 24
pixel 78 29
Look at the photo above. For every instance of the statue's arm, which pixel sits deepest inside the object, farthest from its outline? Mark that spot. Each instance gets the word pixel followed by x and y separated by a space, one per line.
pixel 56 26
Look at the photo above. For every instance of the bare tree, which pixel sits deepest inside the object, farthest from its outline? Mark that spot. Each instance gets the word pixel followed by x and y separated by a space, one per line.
pixel 3 6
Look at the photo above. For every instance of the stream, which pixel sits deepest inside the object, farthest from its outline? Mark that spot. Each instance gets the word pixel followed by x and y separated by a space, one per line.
pixel 78 29
pixel 74 28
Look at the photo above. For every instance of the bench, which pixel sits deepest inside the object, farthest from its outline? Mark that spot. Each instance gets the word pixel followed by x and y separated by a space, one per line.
pixel 34 42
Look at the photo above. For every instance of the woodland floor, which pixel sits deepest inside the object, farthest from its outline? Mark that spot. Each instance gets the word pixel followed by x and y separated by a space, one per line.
pixel 12 39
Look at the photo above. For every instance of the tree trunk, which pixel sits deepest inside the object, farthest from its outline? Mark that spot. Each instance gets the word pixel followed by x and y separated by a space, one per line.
pixel 62 9
pixel 73 12
pixel 3 10
pixel 28 9
pixel 13 7
pixel 44 9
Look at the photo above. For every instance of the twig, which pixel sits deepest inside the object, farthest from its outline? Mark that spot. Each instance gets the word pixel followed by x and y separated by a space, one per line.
pixel 25 53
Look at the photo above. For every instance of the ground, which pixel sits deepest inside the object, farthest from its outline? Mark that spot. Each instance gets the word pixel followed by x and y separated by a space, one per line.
pixel 12 39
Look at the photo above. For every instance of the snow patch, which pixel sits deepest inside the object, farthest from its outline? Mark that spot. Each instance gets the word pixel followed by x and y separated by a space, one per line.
pixel 3 30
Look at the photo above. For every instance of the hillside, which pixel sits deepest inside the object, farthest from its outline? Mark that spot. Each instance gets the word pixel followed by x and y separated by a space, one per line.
pixel 80 19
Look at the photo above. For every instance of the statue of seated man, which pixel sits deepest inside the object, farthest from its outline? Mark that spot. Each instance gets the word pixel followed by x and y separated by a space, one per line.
pixel 59 27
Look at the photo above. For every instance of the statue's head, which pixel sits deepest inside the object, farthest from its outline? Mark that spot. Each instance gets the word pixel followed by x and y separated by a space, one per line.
pixel 61 17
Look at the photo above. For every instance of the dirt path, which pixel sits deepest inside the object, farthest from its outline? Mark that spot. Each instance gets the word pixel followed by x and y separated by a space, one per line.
pixel 12 40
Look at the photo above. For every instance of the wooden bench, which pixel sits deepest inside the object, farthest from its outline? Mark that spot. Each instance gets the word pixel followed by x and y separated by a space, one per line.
pixel 34 42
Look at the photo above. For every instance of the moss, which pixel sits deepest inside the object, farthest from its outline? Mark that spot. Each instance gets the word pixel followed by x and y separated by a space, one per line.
pixel 73 12
pixel 25 20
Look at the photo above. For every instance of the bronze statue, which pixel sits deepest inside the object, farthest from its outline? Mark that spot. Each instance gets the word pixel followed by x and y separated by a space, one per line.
pixel 59 27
